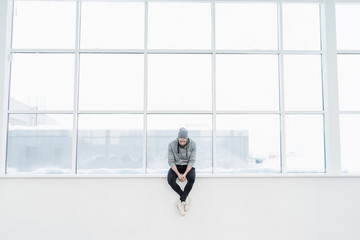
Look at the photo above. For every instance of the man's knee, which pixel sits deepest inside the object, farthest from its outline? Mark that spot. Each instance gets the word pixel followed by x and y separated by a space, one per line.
pixel 171 178
pixel 191 177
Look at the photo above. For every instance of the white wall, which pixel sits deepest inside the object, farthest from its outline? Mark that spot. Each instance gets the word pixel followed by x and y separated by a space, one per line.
pixel 143 208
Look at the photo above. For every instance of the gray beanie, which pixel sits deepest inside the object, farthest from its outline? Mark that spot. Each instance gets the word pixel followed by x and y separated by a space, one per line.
pixel 183 133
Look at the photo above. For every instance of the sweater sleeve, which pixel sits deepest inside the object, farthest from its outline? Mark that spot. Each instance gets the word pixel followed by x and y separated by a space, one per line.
pixel 171 157
pixel 192 158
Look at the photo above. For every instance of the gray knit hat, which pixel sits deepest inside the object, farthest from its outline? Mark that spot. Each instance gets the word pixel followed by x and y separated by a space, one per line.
pixel 183 133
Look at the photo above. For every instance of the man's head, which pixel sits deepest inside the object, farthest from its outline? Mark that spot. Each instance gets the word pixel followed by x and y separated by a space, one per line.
pixel 183 136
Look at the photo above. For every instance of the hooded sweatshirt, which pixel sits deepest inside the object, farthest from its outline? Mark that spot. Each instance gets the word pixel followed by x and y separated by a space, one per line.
pixel 185 155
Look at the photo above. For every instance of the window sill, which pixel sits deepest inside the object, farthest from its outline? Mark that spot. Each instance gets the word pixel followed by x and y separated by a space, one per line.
pixel 96 176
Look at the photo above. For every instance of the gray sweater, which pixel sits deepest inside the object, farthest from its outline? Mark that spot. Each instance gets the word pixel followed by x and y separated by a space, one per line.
pixel 178 155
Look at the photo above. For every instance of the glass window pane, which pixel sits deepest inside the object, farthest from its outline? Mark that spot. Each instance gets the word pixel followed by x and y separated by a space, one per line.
pixel 162 129
pixel 347 26
pixel 303 83
pixel 179 25
pixel 111 81
pixel 114 25
pixel 301 26
pixel 349 82
pixel 247 143
pixel 246 26
pixel 49 24
pixel 110 143
pixel 39 143
pixel 247 82
pixel 350 142
pixel 304 143
pixel 42 82
pixel 179 82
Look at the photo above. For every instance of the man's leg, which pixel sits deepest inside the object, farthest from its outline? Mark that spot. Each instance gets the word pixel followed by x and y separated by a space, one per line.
pixel 171 177
pixel 190 182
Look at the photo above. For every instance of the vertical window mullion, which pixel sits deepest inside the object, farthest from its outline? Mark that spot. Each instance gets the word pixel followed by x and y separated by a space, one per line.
pixel 76 88
pixel 213 62
pixel 6 20
pixel 281 90
pixel 145 85
pixel 330 86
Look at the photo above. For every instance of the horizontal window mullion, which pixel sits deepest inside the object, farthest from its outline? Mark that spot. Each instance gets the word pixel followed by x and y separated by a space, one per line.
pixel 140 51
pixel 269 112
pixel 110 112
pixel 40 112
pixel 205 1
pixel 112 51
pixel 42 50
pixel 219 51
pixel 72 112
pixel 177 112
pixel 348 51
pixel 304 112
pixel 349 112
pixel 303 52
pixel 248 112
pixel 175 51
pixel 169 112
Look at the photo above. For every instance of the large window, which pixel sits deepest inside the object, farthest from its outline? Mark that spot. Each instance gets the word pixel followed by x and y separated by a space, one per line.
pixel 103 87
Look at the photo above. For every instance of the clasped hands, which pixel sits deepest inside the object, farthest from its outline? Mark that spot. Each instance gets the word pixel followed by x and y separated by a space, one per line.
pixel 182 177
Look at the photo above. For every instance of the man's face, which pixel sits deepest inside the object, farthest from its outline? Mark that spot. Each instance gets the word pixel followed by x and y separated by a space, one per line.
pixel 182 141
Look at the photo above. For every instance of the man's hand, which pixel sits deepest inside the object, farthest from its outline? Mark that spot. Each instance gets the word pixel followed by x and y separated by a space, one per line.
pixel 182 177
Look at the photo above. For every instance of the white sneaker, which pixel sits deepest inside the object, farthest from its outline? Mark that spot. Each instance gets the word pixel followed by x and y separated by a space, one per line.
pixel 181 206
pixel 187 204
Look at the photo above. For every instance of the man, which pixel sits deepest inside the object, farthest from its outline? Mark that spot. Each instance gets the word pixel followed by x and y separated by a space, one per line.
pixel 181 159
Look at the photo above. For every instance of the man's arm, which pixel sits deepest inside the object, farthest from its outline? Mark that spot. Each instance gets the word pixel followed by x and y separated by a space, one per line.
pixel 171 161
pixel 192 159
pixel 174 168
pixel 187 171
pixel 171 157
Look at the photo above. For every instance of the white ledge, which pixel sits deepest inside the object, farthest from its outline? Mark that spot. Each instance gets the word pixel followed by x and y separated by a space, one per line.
pixel 95 176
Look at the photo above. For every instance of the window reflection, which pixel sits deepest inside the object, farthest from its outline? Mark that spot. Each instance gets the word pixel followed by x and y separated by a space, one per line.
pixel 247 143
pixel 39 143
pixel 110 143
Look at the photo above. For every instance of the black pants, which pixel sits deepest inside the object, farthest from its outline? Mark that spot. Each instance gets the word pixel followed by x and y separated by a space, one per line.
pixel 171 177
